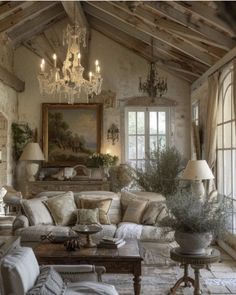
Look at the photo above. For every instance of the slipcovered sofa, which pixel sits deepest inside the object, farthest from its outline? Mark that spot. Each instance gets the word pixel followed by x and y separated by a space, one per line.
pixel 30 227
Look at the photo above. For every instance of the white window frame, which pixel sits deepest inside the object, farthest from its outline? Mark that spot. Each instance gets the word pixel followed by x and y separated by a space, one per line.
pixel 146 110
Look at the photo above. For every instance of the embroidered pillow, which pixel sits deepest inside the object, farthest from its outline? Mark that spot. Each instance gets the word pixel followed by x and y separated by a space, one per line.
pixel 151 212
pixel 49 282
pixel 62 208
pixel 103 205
pixel 87 216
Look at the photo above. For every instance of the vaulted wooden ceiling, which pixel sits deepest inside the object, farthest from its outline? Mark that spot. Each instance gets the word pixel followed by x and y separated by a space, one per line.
pixel 187 37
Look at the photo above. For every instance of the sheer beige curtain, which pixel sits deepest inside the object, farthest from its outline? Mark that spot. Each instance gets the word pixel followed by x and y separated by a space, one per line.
pixel 211 122
pixel 234 90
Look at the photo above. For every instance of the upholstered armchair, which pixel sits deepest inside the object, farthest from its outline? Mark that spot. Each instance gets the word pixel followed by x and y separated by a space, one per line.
pixel 21 275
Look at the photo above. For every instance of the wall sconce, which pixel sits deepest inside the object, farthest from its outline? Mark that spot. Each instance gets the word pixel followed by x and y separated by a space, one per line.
pixel 113 133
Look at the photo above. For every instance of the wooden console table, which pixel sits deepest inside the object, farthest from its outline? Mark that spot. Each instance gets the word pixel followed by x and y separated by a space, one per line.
pixel 35 187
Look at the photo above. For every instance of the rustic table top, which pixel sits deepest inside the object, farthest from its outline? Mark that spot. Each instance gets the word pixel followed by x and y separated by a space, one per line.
pixel 131 250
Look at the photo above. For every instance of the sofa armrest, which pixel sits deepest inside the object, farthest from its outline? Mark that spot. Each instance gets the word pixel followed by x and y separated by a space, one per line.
pixel 76 273
pixel 21 221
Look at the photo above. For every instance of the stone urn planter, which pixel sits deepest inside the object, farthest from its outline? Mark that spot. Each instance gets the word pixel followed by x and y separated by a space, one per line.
pixel 193 243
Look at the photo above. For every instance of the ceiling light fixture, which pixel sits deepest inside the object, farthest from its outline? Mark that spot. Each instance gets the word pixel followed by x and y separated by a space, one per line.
pixel 154 86
pixel 68 82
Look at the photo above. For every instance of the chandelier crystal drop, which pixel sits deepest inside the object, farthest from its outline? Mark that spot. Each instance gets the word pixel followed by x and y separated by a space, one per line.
pixel 68 82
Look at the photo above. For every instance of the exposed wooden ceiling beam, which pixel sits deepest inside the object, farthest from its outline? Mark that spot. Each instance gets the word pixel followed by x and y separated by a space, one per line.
pixel 21 15
pixel 174 29
pixel 207 13
pixel 155 33
pixel 164 9
pixel 35 26
pixel 11 80
pixel 8 6
pixel 140 48
pixel 165 52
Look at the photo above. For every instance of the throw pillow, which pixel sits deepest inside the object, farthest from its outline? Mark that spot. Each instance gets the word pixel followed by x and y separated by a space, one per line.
pixel 62 208
pixel 36 211
pixel 163 213
pixel 49 282
pixel 151 212
pixel 134 211
pixel 126 198
pixel 87 216
pixel 103 205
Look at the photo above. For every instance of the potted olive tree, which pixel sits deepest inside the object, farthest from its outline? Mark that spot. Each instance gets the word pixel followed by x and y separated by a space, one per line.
pixel 196 223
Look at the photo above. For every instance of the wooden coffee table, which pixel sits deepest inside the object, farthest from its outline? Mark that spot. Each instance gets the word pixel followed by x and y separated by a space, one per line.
pixel 124 260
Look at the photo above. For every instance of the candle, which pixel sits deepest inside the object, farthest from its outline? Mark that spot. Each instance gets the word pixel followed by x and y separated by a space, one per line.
pixel 42 66
pixel 98 69
pixel 79 56
pixel 90 76
pixel 55 60
pixel 96 63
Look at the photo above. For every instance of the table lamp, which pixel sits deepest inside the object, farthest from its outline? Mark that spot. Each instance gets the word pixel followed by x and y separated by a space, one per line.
pixel 32 152
pixel 197 170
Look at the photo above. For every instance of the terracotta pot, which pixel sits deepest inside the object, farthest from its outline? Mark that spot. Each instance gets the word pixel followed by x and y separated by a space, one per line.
pixel 193 243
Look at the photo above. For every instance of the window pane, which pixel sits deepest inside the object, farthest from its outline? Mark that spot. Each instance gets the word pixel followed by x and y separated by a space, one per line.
pixel 227 173
pixel 234 135
pixel 234 174
pixel 162 141
pixel 141 147
pixel 153 122
pixel 132 123
pixel 132 147
pixel 219 137
pixel 162 122
pixel 141 164
pixel 132 164
pixel 227 135
pixel 227 105
pixel 220 172
pixel 153 143
pixel 140 123
pixel 220 116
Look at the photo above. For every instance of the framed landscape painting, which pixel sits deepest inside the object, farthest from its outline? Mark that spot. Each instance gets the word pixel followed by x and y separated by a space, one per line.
pixel 70 132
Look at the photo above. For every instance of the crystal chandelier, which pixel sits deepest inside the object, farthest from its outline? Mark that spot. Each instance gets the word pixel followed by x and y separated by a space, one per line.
pixel 68 82
pixel 154 86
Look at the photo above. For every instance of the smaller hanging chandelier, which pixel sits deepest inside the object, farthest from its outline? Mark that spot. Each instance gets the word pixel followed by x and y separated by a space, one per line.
pixel 68 82
pixel 154 86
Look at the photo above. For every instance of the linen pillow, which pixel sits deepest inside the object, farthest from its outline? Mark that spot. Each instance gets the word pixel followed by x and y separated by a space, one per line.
pixel 62 208
pixel 103 205
pixel 163 213
pixel 49 282
pixel 126 198
pixel 151 212
pixel 36 211
pixel 87 216
pixel 134 211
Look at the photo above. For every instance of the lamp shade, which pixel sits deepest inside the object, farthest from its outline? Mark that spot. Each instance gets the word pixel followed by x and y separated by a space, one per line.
pixel 197 170
pixel 32 152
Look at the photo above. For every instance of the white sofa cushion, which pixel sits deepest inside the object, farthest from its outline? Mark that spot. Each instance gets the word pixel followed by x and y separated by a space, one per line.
pixel 20 270
pixel 36 211
pixel 127 230
pixel 90 288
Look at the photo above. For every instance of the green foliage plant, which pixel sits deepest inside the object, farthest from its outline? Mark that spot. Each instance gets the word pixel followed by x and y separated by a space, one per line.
pixel 187 213
pixel 21 135
pixel 101 160
pixel 160 175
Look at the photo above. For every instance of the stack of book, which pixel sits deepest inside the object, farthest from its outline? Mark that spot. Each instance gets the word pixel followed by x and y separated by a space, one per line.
pixel 111 243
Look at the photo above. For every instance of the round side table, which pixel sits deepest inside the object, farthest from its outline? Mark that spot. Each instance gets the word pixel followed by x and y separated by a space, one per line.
pixel 196 262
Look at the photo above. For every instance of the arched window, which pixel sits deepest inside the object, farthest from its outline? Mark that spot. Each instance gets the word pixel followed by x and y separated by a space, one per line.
pixel 226 143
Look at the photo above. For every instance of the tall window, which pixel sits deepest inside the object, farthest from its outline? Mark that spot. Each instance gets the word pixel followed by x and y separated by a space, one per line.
pixel 146 129
pixel 226 144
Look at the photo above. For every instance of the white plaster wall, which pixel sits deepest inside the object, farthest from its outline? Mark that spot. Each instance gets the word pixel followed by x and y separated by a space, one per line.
pixel 121 70
pixel 8 106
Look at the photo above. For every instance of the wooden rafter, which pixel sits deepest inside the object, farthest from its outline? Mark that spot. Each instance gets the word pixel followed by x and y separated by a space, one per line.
pixel 169 12
pixel 11 80
pixel 21 15
pixel 8 6
pixel 155 33
pixel 141 49
pixel 207 13
pixel 37 25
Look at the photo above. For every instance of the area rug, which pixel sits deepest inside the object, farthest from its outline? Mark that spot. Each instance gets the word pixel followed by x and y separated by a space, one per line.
pixel 155 281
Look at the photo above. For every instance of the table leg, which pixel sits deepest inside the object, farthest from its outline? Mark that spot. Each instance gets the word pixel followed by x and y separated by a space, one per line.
pixel 197 289
pixel 188 281
pixel 137 285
